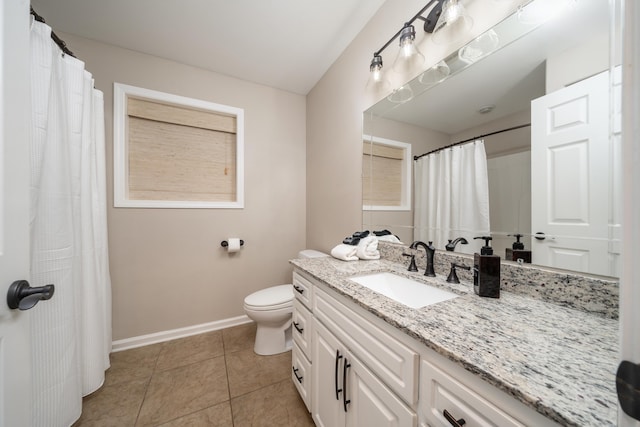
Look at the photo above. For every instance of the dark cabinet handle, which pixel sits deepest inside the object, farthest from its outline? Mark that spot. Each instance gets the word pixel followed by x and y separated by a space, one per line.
pixel 452 419
pixel 295 372
pixel 298 289
pixel 345 401
pixel 24 297
pixel 295 325
pixel 338 390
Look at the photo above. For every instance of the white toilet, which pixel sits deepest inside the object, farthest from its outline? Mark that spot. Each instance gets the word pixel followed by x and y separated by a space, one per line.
pixel 271 309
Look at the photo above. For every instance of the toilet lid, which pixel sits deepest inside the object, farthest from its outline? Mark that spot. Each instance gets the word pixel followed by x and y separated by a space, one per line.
pixel 275 296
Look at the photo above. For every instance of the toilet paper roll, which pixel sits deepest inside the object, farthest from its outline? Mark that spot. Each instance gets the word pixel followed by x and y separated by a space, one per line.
pixel 234 244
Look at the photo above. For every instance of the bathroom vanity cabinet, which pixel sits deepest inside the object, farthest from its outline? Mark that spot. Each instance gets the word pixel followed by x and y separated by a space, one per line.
pixel 354 369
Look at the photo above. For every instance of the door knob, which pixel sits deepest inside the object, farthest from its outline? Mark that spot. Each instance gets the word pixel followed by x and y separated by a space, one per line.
pixel 24 297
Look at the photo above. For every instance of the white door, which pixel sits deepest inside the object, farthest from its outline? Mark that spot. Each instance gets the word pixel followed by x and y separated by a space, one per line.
pixel 15 357
pixel 570 182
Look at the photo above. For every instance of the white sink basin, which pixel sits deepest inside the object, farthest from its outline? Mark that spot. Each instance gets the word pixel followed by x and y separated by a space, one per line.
pixel 405 291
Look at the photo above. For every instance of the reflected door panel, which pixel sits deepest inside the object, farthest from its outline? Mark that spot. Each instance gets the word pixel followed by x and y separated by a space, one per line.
pixel 570 176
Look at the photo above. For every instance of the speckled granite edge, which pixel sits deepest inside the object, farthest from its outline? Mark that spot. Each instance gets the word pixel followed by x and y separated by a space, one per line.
pixel 574 290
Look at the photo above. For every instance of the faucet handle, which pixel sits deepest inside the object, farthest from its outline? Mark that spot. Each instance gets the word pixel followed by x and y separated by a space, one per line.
pixel 453 276
pixel 412 264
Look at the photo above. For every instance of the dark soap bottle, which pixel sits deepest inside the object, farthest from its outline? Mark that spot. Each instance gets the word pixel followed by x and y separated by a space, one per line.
pixel 517 251
pixel 486 271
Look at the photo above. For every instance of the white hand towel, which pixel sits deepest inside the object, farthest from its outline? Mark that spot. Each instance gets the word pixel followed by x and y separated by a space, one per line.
pixel 368 248
pixel 389 238
pixel 345 252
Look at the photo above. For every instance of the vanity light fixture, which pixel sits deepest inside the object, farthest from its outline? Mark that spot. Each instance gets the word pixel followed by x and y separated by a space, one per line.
pixel 447 17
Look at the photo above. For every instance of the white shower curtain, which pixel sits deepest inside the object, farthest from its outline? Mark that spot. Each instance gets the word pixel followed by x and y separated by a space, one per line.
pixel 452 196
pixel 71 333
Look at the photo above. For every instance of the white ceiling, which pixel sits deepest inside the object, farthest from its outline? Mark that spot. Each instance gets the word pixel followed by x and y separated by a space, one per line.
pixel 286 44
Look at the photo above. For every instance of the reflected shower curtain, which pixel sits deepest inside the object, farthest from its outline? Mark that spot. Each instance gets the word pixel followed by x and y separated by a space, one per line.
pixel 452 196
pixel 71 333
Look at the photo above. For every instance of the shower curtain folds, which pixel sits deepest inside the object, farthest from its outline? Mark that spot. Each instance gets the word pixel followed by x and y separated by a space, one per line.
pixel 71 337
pixel 452 196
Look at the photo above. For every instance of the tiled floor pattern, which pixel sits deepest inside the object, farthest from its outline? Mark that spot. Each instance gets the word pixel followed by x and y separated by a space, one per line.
pixel 212 379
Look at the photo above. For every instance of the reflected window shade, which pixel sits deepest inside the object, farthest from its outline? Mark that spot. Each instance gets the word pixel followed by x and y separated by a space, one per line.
pixel 382 182
pixel 180 154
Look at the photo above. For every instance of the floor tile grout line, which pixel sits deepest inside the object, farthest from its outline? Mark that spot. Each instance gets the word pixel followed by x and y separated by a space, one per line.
pixel 260 388
pixel 146 389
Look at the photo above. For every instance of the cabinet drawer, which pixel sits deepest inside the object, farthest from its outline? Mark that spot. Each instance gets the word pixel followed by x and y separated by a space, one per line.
pixel 392 361
pixel 301 375
pixel 441 392
pixel 302 289
pixel 301 329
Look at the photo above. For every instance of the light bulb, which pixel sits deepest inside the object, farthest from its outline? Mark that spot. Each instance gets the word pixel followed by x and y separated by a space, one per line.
pixel 377 82
pixel 409 58
pixel 454 23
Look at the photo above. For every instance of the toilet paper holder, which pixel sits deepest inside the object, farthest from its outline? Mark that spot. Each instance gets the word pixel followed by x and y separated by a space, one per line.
pixel 224 243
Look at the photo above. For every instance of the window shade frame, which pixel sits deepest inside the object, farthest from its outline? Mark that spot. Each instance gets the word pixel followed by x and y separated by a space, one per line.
pixel 406 174
pixel 121 199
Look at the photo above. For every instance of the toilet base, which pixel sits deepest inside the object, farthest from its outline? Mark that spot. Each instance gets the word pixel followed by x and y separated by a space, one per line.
pixel 270 340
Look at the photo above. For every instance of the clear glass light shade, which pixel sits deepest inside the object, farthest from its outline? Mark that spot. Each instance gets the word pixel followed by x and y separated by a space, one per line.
pixel 401 95
pixel 435 74
pixel 377 82
pixel 454 23
pixel 409 58
pixel 540 11
pixel 480 47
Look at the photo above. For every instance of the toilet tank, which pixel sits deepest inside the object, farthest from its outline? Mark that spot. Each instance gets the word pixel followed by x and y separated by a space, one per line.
pixel 310 253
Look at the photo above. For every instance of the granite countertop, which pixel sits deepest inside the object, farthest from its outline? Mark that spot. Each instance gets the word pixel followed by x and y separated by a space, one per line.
pixel 558 360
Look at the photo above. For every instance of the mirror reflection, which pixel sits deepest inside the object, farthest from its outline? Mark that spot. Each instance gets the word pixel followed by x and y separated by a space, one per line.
pixel 535 108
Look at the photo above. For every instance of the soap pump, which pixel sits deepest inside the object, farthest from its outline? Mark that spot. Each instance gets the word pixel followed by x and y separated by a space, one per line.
pixel 517 251
pixel 486 271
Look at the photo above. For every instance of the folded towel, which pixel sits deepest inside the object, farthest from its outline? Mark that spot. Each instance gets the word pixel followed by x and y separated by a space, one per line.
pixel 389 238
pixel 368 248
pixel 345 252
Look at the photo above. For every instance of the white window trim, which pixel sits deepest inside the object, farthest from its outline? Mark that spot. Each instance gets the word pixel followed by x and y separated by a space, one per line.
pixel 406 172
pixel 120 149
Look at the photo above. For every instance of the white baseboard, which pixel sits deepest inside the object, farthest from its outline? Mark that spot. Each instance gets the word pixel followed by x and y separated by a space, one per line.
pixel 173 334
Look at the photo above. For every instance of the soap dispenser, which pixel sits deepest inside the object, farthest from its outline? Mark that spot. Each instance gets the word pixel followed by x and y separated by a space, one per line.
pixel 486 271
pixel 517 251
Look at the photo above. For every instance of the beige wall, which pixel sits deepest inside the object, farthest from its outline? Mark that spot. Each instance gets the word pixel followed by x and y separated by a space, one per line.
pixel 334 116
pixel 167 268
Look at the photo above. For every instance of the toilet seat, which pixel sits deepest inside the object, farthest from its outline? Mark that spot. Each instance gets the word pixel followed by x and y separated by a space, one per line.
pixel 273 298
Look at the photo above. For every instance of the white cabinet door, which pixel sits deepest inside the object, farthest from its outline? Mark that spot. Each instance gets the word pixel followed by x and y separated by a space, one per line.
pixel 327 384
pixel 371 403
pixel 570 190
pixel 15 357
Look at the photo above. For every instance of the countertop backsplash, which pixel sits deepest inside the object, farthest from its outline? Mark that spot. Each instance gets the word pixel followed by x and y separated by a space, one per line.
pixel 569 289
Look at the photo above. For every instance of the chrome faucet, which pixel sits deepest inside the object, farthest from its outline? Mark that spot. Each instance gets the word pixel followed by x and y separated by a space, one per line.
pixel 452 244
pixel 430 251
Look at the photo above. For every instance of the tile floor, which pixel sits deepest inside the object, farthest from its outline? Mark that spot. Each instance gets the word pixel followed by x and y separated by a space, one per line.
pixel 212 379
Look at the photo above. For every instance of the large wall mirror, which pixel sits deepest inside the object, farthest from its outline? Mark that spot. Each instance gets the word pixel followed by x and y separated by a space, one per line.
pixel 544 98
